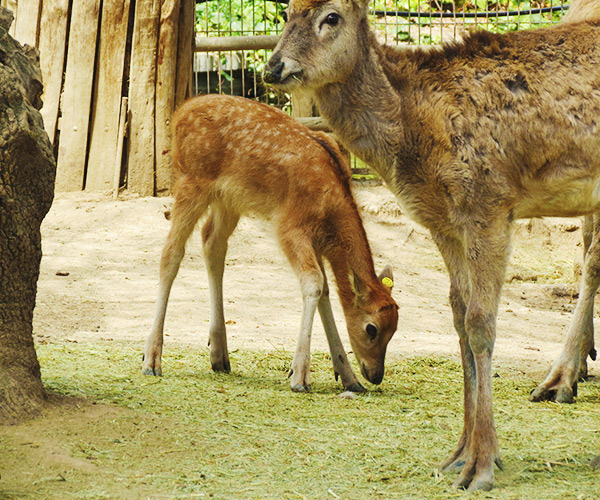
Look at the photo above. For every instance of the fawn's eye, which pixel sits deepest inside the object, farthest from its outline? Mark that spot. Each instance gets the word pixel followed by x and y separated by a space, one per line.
pixel 371 331
pixel 284 16
pixel 332 19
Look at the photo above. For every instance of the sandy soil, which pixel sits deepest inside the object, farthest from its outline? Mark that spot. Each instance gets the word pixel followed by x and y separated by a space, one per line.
pixel 99 279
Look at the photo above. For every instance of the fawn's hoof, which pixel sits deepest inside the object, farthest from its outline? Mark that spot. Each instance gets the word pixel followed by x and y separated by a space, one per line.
pixel 157 372
pixel 356 387
pixel 300 388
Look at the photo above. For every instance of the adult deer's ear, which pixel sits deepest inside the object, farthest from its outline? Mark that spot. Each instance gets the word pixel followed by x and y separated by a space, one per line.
pixel 387 277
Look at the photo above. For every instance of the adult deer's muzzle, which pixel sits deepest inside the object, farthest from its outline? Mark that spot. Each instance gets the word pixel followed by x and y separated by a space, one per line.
pixel 273 70
pixel 281 71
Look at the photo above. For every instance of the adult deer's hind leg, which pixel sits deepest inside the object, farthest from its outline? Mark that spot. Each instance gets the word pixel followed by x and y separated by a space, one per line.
pixel 561 382
pixel 341 365
pixel 184 215
pixel 215 233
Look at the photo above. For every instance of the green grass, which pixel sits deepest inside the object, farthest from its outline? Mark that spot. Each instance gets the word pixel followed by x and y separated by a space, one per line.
pixel 196 434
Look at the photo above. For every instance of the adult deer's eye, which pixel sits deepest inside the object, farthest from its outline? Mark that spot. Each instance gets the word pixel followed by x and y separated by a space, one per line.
pixel 332 19
pixel 371 331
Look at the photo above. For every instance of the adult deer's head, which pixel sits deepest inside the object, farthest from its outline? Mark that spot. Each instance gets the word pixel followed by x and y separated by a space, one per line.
pixel 320 43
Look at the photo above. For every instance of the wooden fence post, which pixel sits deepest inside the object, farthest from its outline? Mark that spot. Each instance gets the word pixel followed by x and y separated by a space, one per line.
pixel 166 77
pixel 77 96
pixel 120 139
pixel 27 22
pixel 12 6
pixel 185 51
pixel 52 40
pixel 142 95
pixel 107 97
pixel 302 104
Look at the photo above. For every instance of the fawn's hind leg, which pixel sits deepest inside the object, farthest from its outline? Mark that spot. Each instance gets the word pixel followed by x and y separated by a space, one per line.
pixel 215 233
pixel 186 212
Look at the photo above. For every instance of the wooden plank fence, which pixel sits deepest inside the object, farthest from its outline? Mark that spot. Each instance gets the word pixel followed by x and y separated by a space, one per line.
pixel 95 56
pixel 107 95
pixel 99 55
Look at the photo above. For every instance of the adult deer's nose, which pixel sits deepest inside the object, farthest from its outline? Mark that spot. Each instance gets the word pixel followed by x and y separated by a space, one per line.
pixel 274 70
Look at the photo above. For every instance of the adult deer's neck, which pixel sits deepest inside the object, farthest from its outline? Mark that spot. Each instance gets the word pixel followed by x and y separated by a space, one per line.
pixel 363 111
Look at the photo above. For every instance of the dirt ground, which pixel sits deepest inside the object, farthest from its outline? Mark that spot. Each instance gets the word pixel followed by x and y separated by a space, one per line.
pixel 99 279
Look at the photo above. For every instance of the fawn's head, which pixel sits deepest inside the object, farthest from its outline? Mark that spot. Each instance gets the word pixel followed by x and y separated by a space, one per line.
pixel 372 320
pixel 319 44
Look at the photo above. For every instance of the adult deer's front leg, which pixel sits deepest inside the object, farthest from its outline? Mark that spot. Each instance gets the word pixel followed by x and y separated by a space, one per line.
pixel 486 252
pixel 561 382
pixel 454 254
pixel 215 233
pixel 341 365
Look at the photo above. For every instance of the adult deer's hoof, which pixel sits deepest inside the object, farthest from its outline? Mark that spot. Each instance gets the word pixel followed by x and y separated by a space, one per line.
pixel 481 485
pixel 560 395
pixel 471 480
pixel 221 366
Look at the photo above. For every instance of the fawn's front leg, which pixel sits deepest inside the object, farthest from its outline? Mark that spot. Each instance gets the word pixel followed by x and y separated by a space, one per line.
pixel 302 257
pixel 341 364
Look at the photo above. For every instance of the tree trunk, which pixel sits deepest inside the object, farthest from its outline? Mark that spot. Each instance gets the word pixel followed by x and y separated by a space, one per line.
pixel 27 171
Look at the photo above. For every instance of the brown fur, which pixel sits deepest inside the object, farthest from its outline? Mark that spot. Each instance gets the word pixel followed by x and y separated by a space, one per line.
pixel 469 137
pixel 238 157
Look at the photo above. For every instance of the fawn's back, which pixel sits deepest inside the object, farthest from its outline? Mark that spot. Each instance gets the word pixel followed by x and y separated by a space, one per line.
pixel 255 158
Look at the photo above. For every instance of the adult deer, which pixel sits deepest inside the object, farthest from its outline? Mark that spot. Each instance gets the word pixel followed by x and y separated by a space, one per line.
pixel 469 137
pixel 237 157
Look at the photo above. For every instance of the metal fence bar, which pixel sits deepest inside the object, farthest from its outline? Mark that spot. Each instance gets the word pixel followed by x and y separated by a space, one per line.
pixel 470 15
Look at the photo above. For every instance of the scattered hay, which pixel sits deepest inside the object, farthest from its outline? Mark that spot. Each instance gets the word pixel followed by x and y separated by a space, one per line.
pixel 197 434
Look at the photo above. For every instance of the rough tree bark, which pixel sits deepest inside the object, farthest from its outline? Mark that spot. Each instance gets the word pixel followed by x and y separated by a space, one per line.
pixel 27 172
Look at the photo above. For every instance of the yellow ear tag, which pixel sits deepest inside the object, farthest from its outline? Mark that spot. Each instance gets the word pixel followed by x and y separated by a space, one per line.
pixel 387 282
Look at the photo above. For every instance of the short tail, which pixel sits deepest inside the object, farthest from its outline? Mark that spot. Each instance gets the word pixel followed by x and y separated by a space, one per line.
pixel 583 10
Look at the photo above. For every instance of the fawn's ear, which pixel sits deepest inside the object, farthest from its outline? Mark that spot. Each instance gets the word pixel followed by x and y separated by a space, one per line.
pixel 387 277
pixel 358 287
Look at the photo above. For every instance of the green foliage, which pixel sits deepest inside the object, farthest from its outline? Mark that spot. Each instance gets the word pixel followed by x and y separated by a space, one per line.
pixel 238 17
